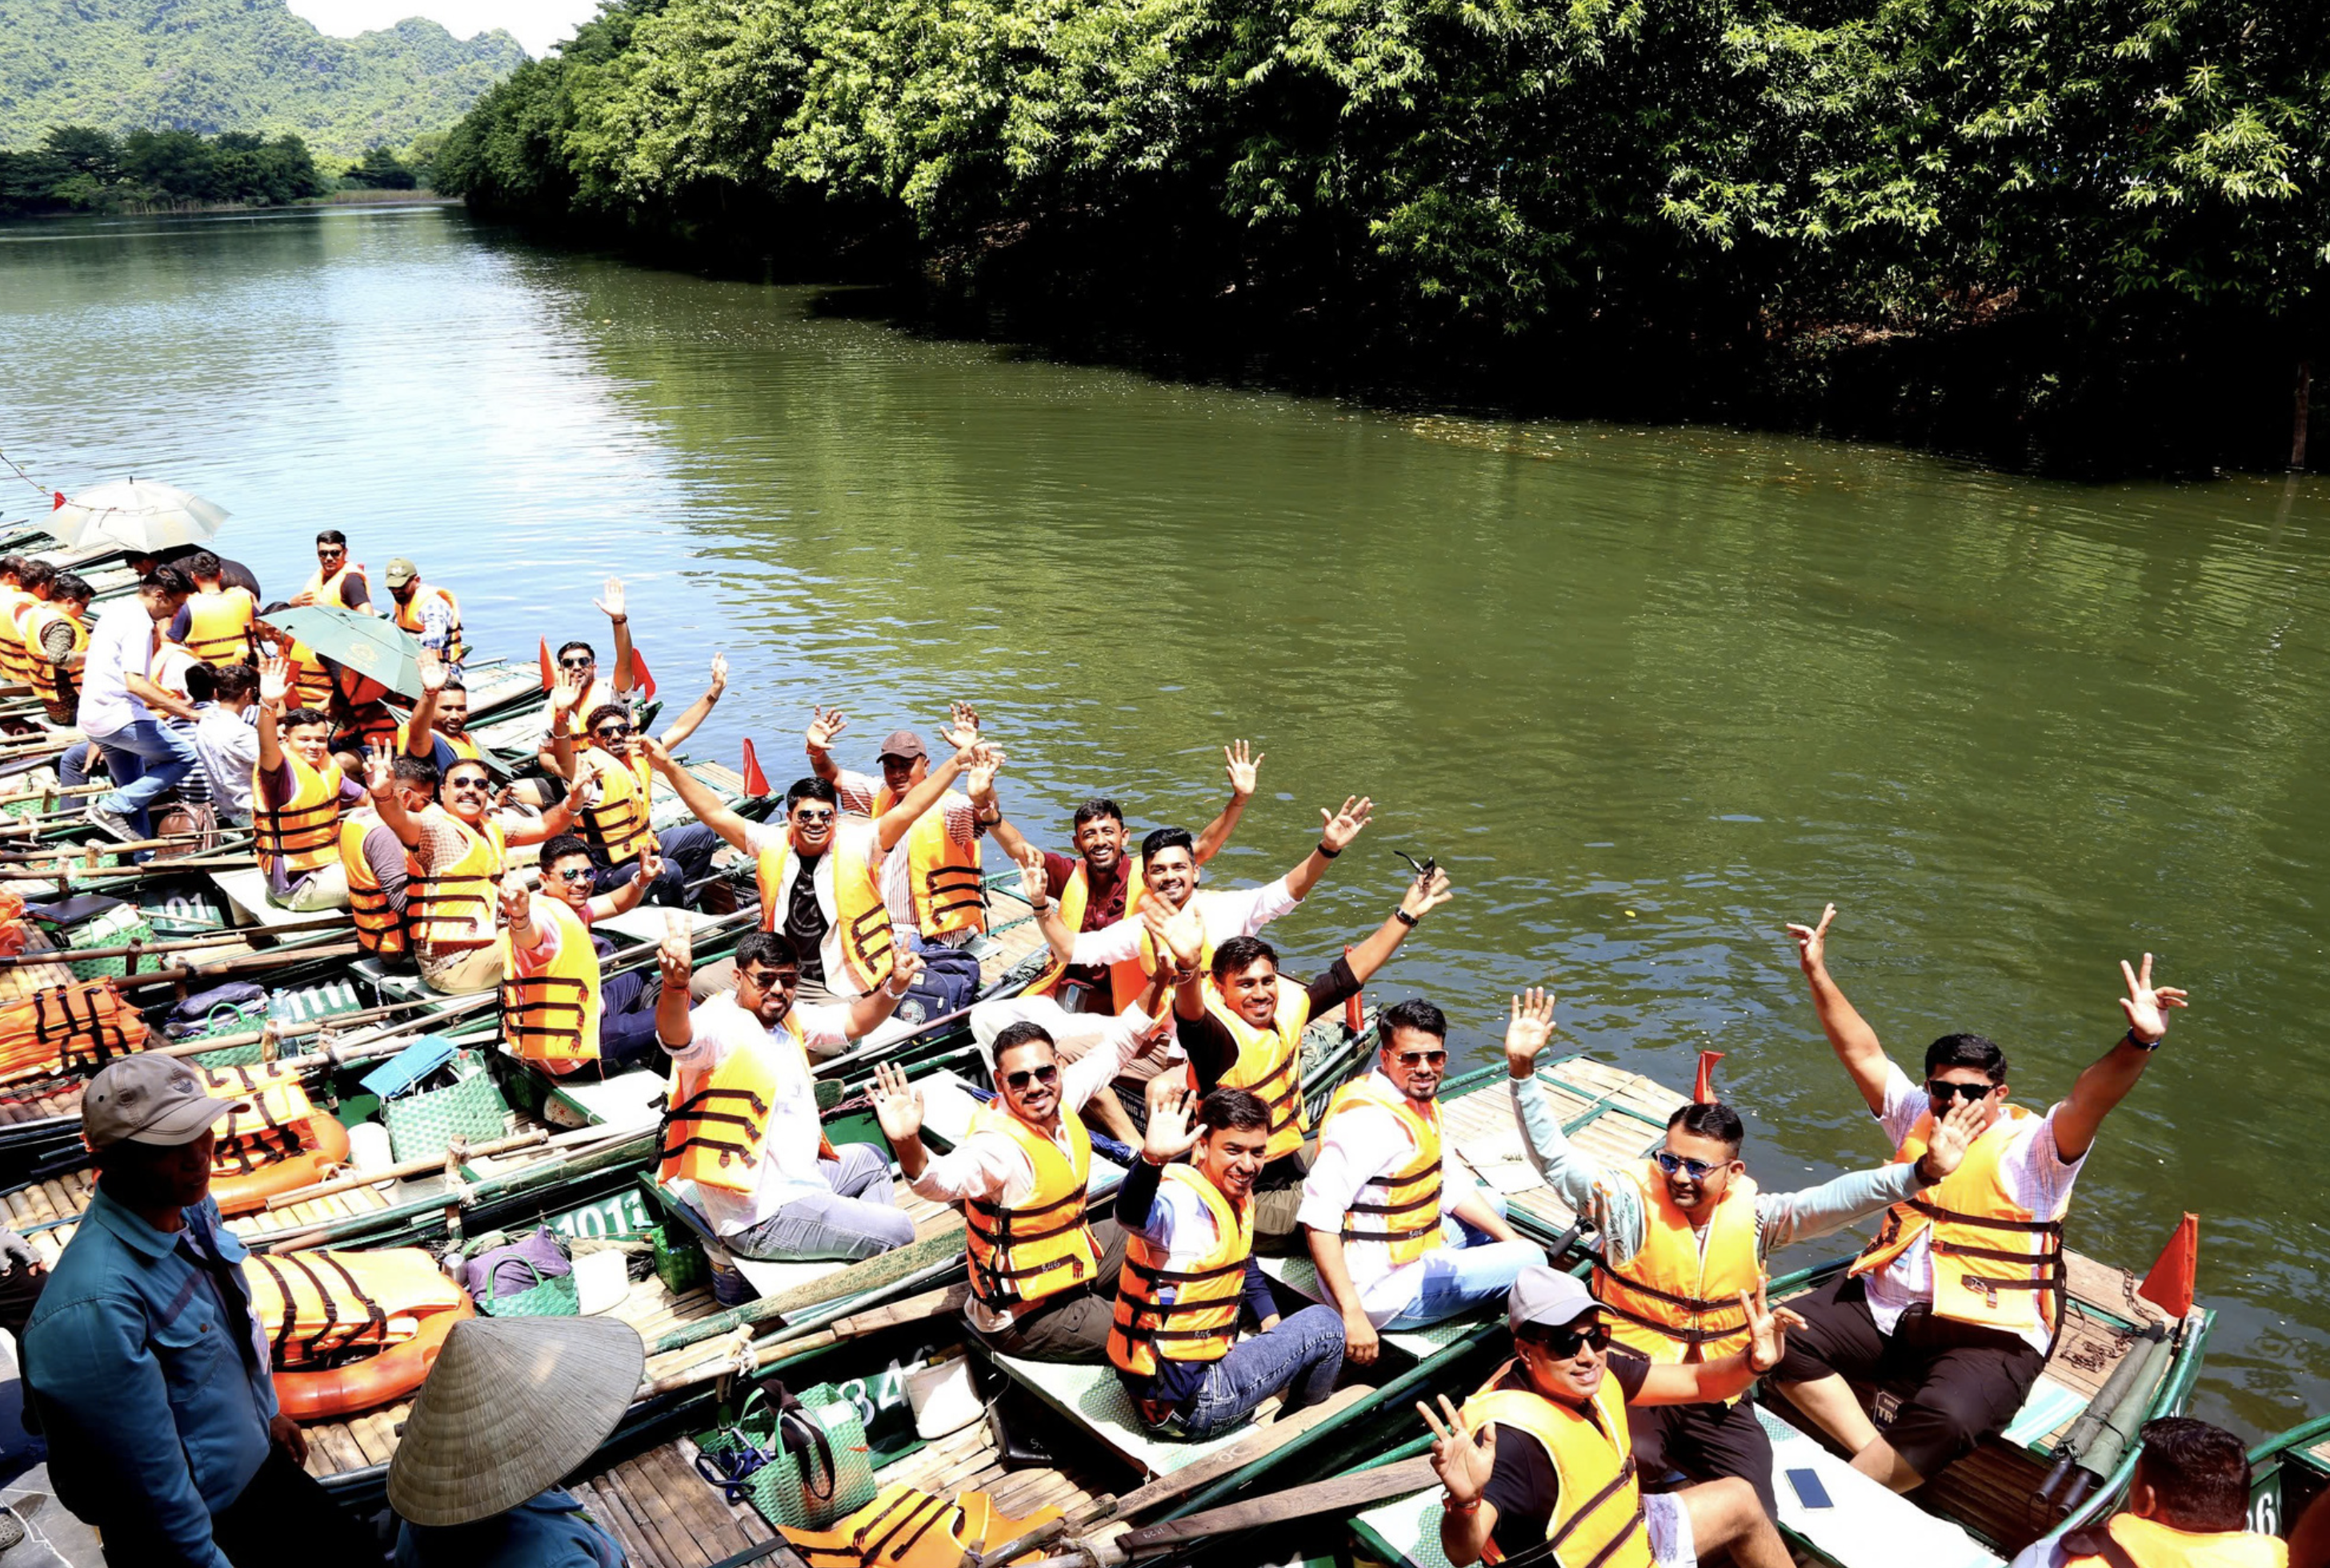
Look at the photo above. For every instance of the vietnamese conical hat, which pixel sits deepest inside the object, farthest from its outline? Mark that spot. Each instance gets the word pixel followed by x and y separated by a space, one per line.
pixel 512 1404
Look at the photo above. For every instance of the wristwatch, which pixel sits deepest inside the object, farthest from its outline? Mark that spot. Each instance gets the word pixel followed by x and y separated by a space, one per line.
pixel 2141 1043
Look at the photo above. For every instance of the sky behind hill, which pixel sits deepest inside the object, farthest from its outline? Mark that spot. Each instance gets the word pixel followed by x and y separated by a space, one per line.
pixel 536 23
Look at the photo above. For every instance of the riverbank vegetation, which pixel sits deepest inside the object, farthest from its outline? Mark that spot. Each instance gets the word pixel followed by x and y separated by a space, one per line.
pixel 2085 234
pixel 80 168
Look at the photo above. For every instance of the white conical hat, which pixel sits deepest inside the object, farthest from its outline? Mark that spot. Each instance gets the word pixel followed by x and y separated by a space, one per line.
pixel 512 1404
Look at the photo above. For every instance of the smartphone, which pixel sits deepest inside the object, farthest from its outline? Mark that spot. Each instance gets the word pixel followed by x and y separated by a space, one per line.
pixel 1809 1491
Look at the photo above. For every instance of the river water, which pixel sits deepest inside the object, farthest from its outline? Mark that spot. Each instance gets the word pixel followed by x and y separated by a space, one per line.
pixel 1648 694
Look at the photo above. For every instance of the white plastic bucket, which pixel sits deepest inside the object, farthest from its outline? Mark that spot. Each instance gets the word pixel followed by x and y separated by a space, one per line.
pixel 943 1398
pixel 368 1148
pixel 602 1281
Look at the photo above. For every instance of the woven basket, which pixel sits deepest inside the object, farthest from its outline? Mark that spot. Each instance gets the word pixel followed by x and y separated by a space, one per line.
pixel 560 1297
pixel 422 1125
pixel 679 1260
pixel 115 927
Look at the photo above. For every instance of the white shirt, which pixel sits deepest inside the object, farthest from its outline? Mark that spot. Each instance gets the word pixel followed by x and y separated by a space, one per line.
pixel 2035 1173
pixel 990 1166
pixel 121 641
pixel 1236 912
pixel 852 835
pixel 788 1170
pixel 861 792
pixel 228 743
pixel 1359 1144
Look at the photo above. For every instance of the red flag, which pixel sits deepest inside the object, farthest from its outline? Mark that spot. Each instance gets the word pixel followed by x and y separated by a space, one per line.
pixel 756 783
pixel 549 677
pixel 639 674
pixel 2169 1286
pixel 57 501
pixel 1702 1090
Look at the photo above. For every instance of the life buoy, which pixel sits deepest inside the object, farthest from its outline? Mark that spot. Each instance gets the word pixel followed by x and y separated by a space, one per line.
pixel 247 1193
pixel 379 1320
pixel 278 1141
pixel 375 1380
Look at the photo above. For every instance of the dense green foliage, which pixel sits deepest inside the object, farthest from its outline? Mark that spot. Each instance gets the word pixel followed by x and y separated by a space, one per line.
pixel 79 168
pixel 1778 187
pixel 233 65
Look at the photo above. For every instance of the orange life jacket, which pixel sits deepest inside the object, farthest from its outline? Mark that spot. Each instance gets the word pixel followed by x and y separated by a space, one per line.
pixel 303 833
pixel 950 895
pixel 67 1029
pixel 49 678
pixel 715 1129
pixel 857 920
pixel 1199 1323
pixel 326 590
pixel 311 678
pixel 1127 980
pixel 1043 1246
pixel 218 627
pixel 1674 1300
pixel 618 825
pixel 1270 1060
pixel 551 1017
pixel 1994 1263
pixel 465 745
pixel 1597 1518
pixel 458 905
pixel 408 616
pixel 381 929
pixel 16 658
pixel 1401 1207
pixel 905 1528
pixel 2125 1541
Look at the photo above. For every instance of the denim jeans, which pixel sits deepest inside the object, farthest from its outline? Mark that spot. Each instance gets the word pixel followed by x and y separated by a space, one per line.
pixel 145 758
pixel 687 850
pixel 858 1218
pixel 1302 1355
pixel 1467 1269
pixel 627 1031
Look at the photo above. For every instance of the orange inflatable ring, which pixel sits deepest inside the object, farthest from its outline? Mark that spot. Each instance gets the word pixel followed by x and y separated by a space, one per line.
pixel 376 1380
pixel 247 1192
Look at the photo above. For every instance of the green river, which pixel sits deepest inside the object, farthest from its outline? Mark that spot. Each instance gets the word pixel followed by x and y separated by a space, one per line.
pixel 1648 692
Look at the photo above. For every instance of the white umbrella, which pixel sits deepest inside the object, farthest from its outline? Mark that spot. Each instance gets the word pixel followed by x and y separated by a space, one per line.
pixel 137 515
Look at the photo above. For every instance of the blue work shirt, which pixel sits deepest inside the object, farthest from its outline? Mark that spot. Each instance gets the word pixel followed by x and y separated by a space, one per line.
pixel 547 1531
pixel 152 1412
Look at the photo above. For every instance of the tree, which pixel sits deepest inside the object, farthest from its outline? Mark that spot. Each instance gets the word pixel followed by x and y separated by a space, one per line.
pixel 379 170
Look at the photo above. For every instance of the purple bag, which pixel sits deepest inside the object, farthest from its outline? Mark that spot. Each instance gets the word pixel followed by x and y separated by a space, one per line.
pixel 503 1270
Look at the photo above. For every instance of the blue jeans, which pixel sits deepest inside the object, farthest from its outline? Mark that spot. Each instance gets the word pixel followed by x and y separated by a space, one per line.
pixel 1302 1355
pixel 627 1031
pixel 1467 1269
pixel 144 758
pixel 687 850
pixel 857 1219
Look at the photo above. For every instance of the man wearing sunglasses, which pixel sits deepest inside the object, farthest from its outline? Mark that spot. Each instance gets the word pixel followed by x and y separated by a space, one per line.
pixel 617 777
pixel 1043 1284
pixel 439 727
pixel 1972 1335
pixel 1396 1244
pixel 742 1142
pixel 1241 1026
pixel 1540 1455
pixel 335 579
pixel 559 1008
pixel 818 870
pixel 1683 1233
pixel 579 663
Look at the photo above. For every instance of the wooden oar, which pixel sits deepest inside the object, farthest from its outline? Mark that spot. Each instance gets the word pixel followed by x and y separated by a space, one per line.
pixel 273 959
pixel 176 944
pixel 99 847
pixel 332 1023
pixel 529 1139
pixel 868 1274
pixel 1180 1483
pixel 1342 1494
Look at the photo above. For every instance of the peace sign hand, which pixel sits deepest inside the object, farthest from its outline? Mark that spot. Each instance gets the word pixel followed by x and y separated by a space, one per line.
pixel 1170 1134
pixel 517 902
pixel 1463 1464
pixel 676 955
pixel 1241 768
pixel 1767 1329
pixel 2147 1006
pixel 1811 941
pixel 1530 1028
pixel 380 765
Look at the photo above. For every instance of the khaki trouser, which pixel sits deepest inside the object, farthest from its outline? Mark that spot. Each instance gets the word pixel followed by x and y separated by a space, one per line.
pixel 327 887
pixel 458 972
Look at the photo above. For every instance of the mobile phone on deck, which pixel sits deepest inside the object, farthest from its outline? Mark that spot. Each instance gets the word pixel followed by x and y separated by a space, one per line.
pixel 1809 1491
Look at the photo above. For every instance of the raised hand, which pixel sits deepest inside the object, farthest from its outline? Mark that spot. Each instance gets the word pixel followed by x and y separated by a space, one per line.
pixel 275 681
pixel 719 674
pixel 1811 941
pixel 1530 1027
pixel 979 782
pixel 433 673
pixel 1033 883
pixel 1241 768
pixel 905 968
pixel 897 1105
pixel 962 728
pixel 2146 1004
pixel 1425 896
pixel 517 902
pixel 825 726
pixel 1767 1329
pixel 1169 1135
pixel 611 606
pixel 676 955
pixel 567 694
pixel 651 864
pixel 1339 828
pixel 1463 1463
pixel 1953 1135
pixel 380 765
pixel 1181 934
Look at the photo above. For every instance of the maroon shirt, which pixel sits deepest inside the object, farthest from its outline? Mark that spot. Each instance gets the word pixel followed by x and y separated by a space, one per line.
pixel 1103 904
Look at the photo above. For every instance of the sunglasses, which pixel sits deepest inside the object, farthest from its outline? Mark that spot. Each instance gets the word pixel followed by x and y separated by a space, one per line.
pixel 331 554
pixel 574 873
pixel 1675 1164
pixel 1565 1343
pixel 1421 1058
pixel 1018 1082
pixel 612 731
pixel 1940 1094
pixel 812 818
pixel 583 662
pixel 465 785
pixel 773 979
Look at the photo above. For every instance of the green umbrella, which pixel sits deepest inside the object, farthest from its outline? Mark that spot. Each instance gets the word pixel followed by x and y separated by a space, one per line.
pixel 370 645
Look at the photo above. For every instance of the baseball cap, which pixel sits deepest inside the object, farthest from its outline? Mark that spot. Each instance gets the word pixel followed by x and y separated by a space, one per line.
pixel 1548 1297
pixel 400 571
pixel 903 743
pixel 148 1098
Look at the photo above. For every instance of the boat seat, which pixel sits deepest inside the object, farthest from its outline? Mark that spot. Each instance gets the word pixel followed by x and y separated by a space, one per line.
pixel 246 889
pixel 1298 1275
pixel 645 923
pixel 1095 1400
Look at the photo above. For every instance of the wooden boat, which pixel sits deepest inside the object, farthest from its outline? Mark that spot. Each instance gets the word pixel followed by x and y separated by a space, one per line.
pixel 2289 1473
pixel 1981 1510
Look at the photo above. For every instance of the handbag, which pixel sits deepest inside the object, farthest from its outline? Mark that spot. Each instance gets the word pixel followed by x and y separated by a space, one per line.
pixel 554 1296
pixel 802 1462
pixel 423 1123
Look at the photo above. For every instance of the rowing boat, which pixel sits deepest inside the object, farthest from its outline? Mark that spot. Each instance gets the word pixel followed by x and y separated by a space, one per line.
pixel 2289 1473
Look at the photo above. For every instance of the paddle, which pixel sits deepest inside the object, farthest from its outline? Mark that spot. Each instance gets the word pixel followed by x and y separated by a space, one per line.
pixel 919 1308
pixel 176 945
pixel 1342 1494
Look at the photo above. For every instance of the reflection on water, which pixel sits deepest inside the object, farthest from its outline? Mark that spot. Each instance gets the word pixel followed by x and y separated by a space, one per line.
pixel 1648 694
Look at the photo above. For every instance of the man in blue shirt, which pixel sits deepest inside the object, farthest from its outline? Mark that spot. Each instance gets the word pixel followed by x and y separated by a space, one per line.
pixel 148 1371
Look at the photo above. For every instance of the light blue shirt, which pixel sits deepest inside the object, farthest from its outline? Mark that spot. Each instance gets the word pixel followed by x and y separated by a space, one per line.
pixel 1614 1207
pixel 152 1411
pixel 547 1531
